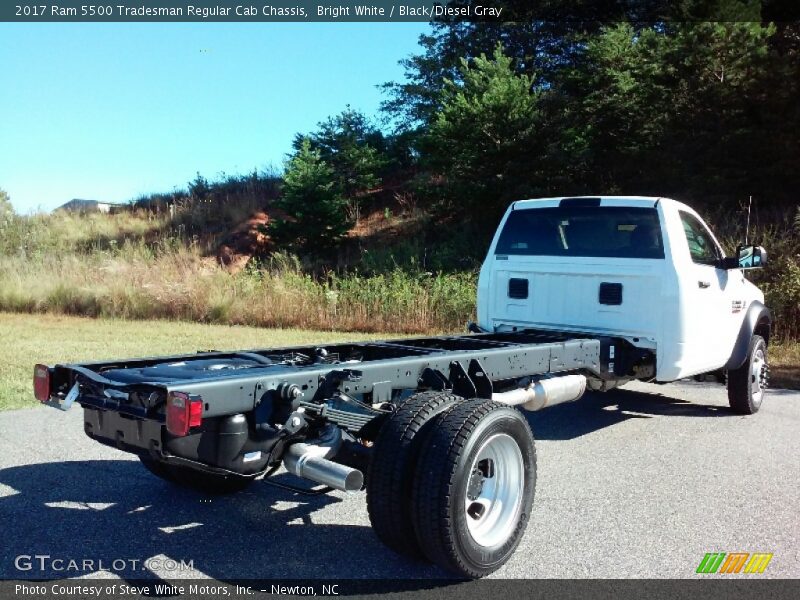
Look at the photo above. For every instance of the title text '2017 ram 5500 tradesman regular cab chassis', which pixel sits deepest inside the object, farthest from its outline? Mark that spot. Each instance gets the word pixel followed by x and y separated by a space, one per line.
pixel 575 293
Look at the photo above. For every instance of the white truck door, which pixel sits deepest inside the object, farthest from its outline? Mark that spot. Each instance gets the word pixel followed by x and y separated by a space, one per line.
pixel 709 295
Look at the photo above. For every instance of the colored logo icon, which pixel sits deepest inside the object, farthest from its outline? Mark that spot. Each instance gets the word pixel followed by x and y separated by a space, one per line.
pixel 734 562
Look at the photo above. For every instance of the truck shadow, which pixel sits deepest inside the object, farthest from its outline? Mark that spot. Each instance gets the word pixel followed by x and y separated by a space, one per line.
pixel 597 410
pixel 114 509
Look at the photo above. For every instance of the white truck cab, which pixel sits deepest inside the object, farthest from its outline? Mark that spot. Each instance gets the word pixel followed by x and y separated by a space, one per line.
pixel 644 269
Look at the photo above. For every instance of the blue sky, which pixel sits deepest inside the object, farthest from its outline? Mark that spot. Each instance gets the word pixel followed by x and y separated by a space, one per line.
pixel 111 111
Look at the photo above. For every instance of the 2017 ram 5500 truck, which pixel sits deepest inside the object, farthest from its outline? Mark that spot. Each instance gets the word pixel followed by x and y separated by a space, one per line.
pixel 574 293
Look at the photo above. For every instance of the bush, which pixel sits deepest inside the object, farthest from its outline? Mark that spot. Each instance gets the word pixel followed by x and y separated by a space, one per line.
pixel 777 230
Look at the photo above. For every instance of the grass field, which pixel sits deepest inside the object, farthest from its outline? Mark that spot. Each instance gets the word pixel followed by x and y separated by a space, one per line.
pixel 28 339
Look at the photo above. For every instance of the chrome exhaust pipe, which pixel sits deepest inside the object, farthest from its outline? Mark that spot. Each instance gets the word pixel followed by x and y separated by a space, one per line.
pixel 308 460
pixel 545 392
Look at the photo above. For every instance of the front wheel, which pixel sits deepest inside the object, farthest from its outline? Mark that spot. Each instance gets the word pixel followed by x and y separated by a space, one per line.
pixel 474 486
pixel 747 384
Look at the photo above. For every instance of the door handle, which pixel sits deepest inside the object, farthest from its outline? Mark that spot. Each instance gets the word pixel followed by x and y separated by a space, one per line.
pixel 703 284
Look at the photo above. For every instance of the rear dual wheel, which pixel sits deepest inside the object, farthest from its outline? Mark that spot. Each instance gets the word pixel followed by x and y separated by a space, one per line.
pixel 466 497
pixel 473 492
pixel 390 477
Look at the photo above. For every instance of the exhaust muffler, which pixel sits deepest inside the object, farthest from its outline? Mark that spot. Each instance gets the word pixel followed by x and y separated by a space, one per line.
pixel 309 460
pixel 545 392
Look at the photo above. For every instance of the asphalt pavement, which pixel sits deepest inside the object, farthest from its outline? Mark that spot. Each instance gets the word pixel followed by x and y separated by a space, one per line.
pixel 639 482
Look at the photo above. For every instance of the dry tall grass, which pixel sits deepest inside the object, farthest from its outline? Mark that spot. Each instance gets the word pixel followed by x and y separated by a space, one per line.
pixel 138 281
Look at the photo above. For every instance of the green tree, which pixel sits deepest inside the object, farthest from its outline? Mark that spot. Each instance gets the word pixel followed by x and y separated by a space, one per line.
pixel 724 128
pixel 701 102
pixel 354 149
pixel 316 216
pixel 483 140
pixel 611 111
pixel 542 38
pixel 673 108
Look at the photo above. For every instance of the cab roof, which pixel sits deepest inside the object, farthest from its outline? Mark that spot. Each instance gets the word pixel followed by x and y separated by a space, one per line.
pixel 641 201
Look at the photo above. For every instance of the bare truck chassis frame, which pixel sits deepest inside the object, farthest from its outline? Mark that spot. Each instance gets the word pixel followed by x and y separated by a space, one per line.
pixel 348 415
pixel 470 365
pixel 257 403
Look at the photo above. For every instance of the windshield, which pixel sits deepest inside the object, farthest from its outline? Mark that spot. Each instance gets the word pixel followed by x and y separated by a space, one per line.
pixel 601 231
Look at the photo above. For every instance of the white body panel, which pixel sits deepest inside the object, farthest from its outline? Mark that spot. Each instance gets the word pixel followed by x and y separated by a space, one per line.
pixel 690 314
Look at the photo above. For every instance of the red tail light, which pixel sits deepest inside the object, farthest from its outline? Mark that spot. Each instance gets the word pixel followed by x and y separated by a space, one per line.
pixel 41 383
pixel 183 413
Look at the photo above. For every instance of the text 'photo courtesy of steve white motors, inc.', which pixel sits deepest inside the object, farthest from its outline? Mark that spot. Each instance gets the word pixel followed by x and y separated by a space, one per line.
pixel 147 589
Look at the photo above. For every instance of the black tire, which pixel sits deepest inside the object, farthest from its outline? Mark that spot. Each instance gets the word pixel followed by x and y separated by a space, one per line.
pixel 208 483
pixel 748 383
pixel 390 476
pixel 451 483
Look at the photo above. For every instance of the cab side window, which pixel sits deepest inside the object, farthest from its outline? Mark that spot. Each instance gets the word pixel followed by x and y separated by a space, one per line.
pixel 701 245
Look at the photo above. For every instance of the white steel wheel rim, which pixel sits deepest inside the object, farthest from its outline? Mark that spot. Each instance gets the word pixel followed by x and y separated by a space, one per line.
pixel 758 374
pixel 495 489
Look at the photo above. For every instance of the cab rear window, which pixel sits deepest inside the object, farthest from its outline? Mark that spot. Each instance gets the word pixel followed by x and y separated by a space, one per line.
pixel 601 231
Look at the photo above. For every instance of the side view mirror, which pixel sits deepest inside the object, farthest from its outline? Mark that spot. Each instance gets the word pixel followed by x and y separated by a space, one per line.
pixel 747 257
